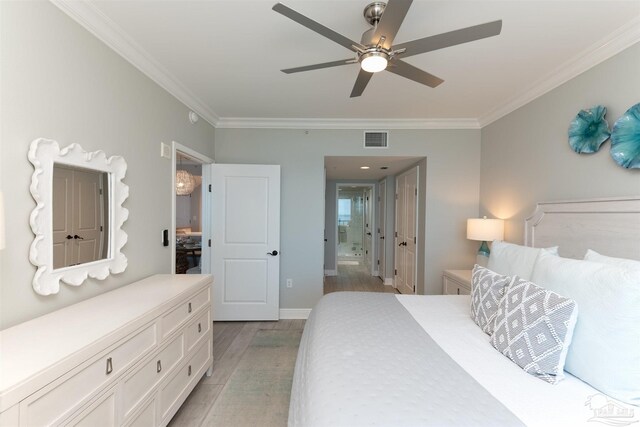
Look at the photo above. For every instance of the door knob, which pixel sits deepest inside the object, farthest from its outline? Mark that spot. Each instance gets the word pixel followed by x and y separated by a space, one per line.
pixel 368 234
pixel 78 237
pixel 69 237
pixel 272 253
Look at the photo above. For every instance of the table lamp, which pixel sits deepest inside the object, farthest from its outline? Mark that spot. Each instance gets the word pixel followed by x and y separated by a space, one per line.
pixel 485 230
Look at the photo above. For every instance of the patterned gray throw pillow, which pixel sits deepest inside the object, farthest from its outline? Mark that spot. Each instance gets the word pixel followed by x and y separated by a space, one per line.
pixel 533 328
pixel 487 290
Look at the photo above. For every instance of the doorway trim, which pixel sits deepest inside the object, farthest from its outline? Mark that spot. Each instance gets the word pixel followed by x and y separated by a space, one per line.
pixel 374 219
pixel 176 148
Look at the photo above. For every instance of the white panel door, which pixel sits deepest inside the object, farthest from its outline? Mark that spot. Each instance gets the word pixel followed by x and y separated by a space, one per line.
pixel 246 242
pixel 382 206
pixel 406 231
pixel 368 228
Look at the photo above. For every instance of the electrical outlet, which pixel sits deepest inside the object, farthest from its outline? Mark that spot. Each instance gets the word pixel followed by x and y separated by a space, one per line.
pixel 289 283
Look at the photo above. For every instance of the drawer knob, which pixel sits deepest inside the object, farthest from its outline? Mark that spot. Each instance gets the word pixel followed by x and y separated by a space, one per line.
pixel 189 307
pixel 109 365
pixel 199 328
pixel 189 371
pixel 159 366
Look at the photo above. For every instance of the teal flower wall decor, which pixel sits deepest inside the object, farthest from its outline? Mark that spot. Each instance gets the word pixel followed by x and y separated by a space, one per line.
pixel 589 130
pixel 625 139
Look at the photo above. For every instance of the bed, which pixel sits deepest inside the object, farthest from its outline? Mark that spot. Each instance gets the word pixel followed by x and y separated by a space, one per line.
pixel 407 360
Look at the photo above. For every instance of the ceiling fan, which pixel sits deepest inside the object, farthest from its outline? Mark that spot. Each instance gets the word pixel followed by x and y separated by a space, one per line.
pixel 376 51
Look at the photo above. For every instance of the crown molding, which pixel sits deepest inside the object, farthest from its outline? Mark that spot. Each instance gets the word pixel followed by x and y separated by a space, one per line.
pixel 272 123
pixel 621 39
pixel 101 26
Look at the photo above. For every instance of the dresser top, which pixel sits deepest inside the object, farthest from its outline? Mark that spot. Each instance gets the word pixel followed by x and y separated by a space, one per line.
pixel 464 275
pixel 31 347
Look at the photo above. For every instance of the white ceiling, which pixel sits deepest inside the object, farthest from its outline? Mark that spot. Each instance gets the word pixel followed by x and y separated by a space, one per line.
pixel 341 167
pixel 228 54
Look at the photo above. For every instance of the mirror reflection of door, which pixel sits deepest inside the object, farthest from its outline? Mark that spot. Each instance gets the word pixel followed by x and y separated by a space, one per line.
pixel 79 215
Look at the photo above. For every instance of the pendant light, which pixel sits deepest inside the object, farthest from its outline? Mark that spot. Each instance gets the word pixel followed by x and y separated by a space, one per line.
pixel 185 183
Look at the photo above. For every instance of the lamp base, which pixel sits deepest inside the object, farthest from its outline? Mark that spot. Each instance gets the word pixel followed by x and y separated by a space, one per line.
pixel 484 249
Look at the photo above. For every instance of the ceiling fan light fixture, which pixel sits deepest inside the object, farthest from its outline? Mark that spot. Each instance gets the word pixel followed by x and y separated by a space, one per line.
pixel 373 62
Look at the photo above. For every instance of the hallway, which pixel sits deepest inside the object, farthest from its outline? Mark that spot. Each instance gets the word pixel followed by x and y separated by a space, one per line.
pixel 354 278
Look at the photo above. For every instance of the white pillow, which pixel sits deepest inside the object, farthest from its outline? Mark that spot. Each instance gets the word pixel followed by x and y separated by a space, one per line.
pixel 514 260
pixel 628 264
pixel 605 351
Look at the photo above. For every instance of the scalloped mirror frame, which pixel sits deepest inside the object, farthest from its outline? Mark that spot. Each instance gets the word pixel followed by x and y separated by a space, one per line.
pixel 43 153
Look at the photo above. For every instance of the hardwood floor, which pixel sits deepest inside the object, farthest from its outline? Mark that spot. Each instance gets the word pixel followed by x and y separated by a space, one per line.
pixel 230 340
pixel 355 278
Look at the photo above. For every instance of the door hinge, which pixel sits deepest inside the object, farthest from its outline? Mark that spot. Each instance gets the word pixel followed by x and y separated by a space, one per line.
pixel 209 242
pixel 414 241
pixel 378 262
pixel 395 271
pixel 100 228
pixel 396 234
pixel 209 188
pixel 396 196
pixel 416 191
pixel 378 231
pixel 366 252
pixel 101 191
pixel 378 198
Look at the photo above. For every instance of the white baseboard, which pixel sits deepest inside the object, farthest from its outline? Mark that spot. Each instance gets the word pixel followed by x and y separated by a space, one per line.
pixel 375 273
pixel 331 272
pixel 294 313
pixel 388 281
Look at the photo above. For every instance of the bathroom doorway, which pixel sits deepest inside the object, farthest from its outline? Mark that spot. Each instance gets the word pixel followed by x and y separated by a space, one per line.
pixel 355 221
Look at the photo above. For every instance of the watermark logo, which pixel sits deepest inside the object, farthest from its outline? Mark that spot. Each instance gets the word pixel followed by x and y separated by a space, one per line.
pixel 610 412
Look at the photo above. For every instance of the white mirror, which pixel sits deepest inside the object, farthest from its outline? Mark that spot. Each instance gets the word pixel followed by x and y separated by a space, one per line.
pixel 78 216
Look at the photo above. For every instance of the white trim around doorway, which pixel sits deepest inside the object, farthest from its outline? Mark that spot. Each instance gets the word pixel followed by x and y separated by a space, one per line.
pixel 206 205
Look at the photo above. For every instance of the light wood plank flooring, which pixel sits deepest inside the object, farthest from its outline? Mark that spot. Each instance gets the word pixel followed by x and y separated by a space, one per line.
pixel 230 340
pixel 355 278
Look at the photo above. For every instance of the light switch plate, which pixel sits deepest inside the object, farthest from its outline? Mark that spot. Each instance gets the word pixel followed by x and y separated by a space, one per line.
pixel 165 150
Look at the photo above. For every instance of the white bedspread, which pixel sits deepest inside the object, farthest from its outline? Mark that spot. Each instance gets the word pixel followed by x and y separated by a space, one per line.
pixel 535 402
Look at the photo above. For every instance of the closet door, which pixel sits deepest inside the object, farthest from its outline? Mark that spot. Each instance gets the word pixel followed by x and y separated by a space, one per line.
pixel 87 215
pixel 368 229
pixel 62 206
pixel 381 228
pixel 406 231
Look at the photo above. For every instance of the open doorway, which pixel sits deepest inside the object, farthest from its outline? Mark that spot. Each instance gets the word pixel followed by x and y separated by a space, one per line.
pixel 190 231
pixel 360 224
pixel 355 222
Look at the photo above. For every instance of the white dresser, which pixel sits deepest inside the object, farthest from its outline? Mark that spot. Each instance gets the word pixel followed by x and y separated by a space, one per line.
pixel 127 357
pixel 456 282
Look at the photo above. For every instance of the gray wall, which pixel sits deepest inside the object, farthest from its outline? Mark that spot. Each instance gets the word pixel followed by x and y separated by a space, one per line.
pixel 526 157
pixel 60 82
pixel 452 195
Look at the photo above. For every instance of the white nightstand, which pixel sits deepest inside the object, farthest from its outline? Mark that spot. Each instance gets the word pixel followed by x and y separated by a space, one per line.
pixel 456 282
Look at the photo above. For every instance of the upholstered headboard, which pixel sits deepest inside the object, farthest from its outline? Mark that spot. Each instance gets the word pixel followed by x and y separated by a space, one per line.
pixel 608 226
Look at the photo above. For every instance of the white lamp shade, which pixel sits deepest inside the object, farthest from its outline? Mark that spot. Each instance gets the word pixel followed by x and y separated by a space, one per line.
pixel 2 238
pixel 484 229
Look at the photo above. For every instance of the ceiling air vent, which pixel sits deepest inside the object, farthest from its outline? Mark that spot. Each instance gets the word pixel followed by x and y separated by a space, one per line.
pixel 376 139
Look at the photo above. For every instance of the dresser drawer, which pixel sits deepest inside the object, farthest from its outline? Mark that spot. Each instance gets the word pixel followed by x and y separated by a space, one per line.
pixel 176 386
pixel 178 316
pixel 100 413
pixel 140 383
pixel 53 403
pixel 147 417
pixel 453 287
pixel 198 329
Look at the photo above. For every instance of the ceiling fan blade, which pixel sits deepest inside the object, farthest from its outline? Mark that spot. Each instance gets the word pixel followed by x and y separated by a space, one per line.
pixel 361 83
pixel 319 66
pixel 452 38
pixel 410 72
pixel 315 26
pixel 389 24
